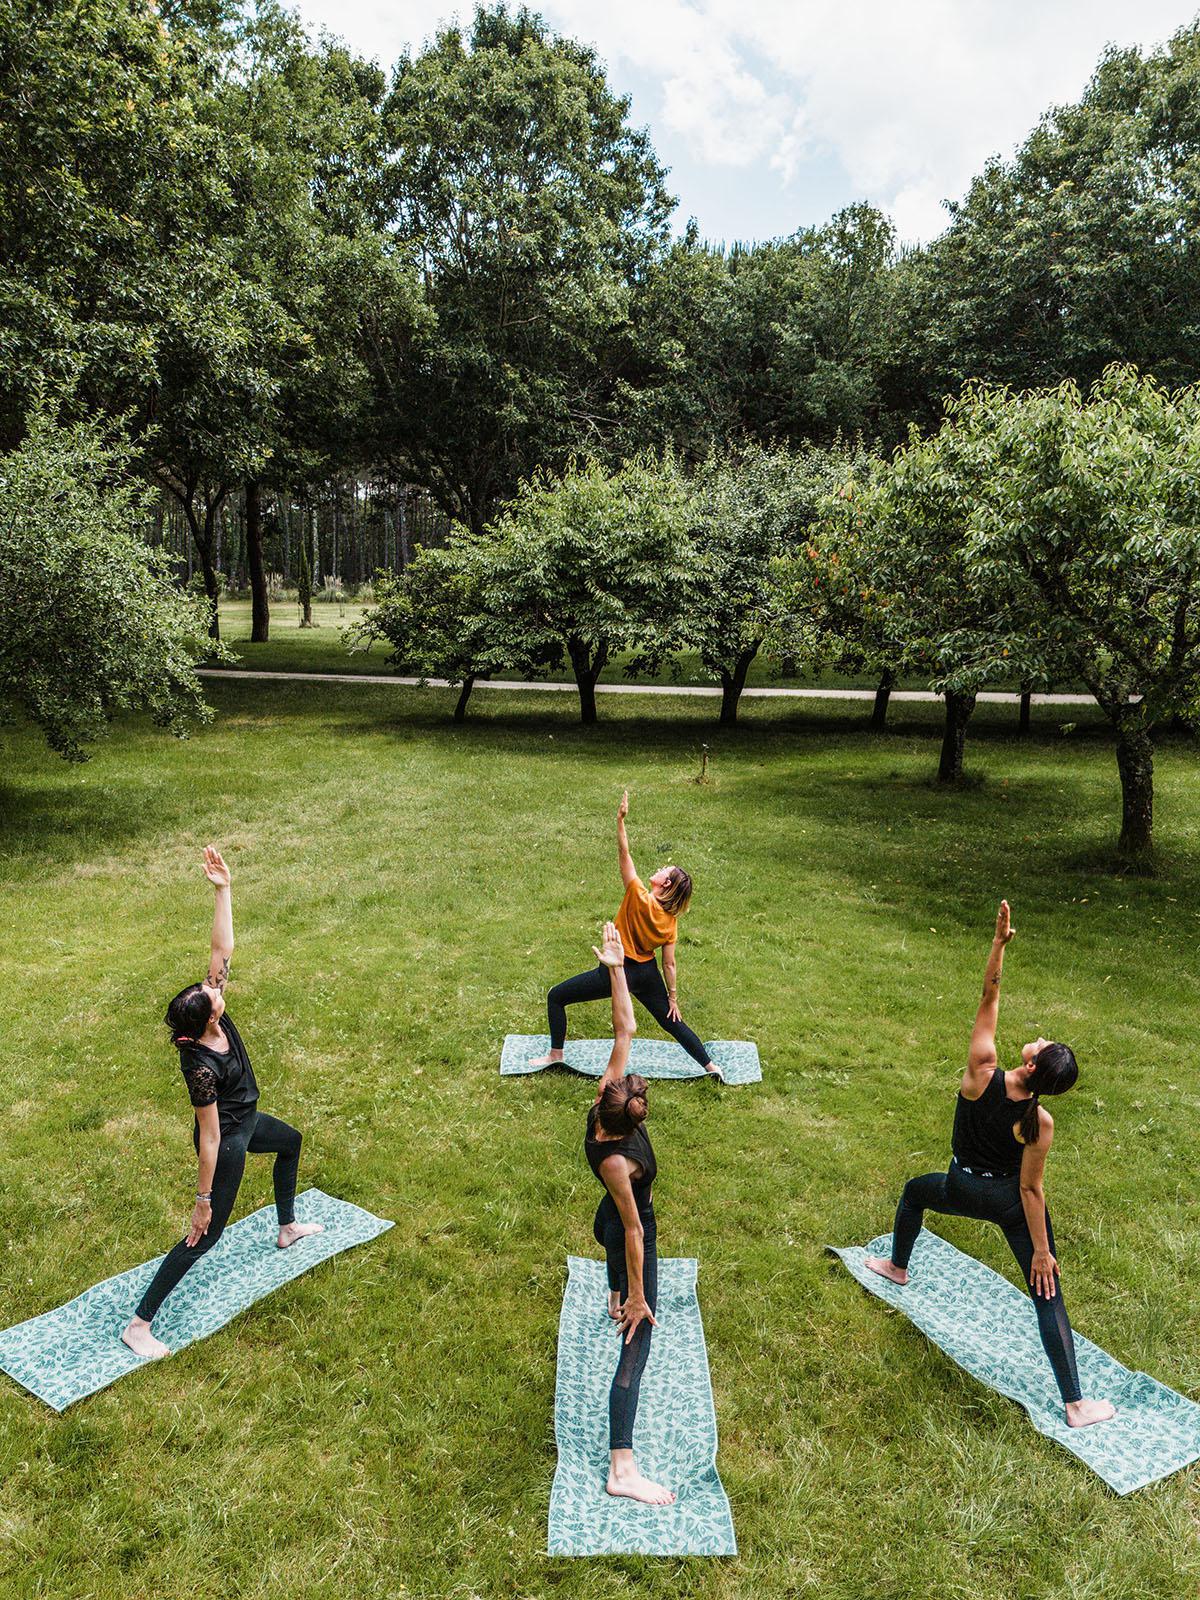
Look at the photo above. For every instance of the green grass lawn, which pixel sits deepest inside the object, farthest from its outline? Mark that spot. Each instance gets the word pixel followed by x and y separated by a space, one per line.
pixel 404 891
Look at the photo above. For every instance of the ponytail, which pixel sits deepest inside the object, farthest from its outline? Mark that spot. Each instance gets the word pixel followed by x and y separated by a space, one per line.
pixel 188 1013
pixel 623 1106
pixel 1054 1072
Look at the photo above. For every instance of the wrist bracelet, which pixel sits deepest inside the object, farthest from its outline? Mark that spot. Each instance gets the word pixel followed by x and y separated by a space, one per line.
pixel 206 1197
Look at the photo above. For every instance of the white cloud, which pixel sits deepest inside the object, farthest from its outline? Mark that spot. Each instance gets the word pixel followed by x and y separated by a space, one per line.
pixel 908 97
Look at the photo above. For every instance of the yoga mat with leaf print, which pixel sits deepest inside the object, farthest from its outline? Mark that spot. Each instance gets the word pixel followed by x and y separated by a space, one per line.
pixel 75 1350
pixel 651 1058
pixel 988 1327
pixel 675 1435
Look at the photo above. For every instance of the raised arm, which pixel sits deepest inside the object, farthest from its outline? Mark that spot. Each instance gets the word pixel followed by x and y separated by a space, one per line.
pixel 612 956
pixel 635 1311
pixel 217 874
pixel 981 1058
pixel 628 871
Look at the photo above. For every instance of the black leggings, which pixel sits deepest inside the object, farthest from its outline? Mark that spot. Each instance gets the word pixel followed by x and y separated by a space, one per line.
pixel 964 1194
pixel 609 1231
pixel 645 984
pixel 260 1135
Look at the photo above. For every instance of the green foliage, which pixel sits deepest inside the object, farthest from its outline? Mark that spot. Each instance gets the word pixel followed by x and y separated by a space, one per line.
pixel 514 183
pixel 91 623
pixel 596 562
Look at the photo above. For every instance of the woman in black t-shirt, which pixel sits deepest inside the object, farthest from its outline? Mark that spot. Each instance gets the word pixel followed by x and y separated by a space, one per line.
pixel 619 1152
pixel 221 1087
pixel 1001 1139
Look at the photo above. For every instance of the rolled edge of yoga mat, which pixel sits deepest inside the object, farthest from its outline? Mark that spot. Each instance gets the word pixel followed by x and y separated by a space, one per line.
pixel 74 1350
pixel 971 1312
pixel 675 1437
pixel 652 1058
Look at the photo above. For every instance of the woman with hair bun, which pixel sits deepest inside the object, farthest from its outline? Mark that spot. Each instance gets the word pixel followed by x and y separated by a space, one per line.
pixel 1002 1136
pixel 647 921
pixel 619 1152
pixel 221 1087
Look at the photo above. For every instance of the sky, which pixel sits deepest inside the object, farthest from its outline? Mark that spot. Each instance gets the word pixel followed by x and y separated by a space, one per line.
pixel 773 114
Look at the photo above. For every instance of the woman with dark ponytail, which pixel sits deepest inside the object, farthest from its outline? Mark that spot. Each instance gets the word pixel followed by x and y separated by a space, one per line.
pixel 619 1152
pixel 1002 1136
pixel 221 1087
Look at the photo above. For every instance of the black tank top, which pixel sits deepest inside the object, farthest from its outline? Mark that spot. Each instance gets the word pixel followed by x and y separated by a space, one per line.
pixel 634 1146
pixel 983 1136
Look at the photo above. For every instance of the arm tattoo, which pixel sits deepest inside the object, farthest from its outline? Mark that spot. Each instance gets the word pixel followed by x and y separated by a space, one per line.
pixel 223 976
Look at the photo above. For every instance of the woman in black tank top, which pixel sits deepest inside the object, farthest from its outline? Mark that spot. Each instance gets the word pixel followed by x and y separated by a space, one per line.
pixel 619 1152
pixel 1001 1139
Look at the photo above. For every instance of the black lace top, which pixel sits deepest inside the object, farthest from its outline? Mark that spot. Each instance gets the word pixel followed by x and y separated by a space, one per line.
pixel 226 1081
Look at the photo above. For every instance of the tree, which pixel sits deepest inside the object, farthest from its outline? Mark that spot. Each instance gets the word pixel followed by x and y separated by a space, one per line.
pixel 91 623
pixel 514 183
pixel 436 616
pixel 1080 250
pixel 1087 511
pixel 750 511
pixel 593 563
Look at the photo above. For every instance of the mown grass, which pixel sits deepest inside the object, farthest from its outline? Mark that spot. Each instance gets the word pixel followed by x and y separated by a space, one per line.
pixel 404 891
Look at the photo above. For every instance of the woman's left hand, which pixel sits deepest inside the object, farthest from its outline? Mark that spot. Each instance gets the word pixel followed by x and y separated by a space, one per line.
pixel 1043 1273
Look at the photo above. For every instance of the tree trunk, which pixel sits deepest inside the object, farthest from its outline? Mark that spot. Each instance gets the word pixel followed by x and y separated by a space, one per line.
pixel 1135 763
pixel 202 539
pixel 883 694
pixel 958 713
pixel 587 668
pixel 260 615
pixel 732 684
pixel 460 710
pixel 1026 705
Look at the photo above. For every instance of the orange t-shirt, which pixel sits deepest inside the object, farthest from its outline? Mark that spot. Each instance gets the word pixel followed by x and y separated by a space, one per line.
pixel 642 922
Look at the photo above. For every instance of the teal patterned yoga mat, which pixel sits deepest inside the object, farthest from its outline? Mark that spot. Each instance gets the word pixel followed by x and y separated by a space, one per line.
pixel 652 1058
pixel 674 1438
pixel 988 1326
pixel 71 1352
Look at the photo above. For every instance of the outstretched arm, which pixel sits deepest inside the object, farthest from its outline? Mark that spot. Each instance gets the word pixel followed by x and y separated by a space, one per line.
pixel 628 871
pixel 612 956
pixel 981 1058
pixel 217 874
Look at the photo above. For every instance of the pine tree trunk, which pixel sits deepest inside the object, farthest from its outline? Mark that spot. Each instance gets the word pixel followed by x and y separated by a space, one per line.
pixel 460 710
pixel 1135 763
pixel 883 695
pixel 958 713
pixel 260 614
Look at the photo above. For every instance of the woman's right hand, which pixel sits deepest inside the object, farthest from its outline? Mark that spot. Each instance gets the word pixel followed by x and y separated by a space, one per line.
pixel 623 808
pixel 201 1217
pixel 634 1312
pixel 613 952
pixel 1043 1273
pixel 1004 927
pixel 215 869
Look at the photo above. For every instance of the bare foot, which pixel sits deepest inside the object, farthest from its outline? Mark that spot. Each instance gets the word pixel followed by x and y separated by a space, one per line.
pixel 633 1486
pixel 552 1058
pixel 714 1071
pixel 614 1304
pixel 142 1342
pixel 887 1269
pixel 291 1231
pixel 1082 1413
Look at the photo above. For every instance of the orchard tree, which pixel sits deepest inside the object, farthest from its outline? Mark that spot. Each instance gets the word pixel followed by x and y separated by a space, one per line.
pixel 594 563
pixel 514 183
pixel 91 622
pixel 1091 505
pixel 750 511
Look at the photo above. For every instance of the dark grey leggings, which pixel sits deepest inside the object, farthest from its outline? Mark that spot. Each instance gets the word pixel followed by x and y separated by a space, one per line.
pixel 963 1194
pixel 259 1135
pixel 609 1231
pixel 645 984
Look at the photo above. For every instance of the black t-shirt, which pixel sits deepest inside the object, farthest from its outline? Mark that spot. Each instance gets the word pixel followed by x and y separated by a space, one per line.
pixel 226 1081
pixel 635 1146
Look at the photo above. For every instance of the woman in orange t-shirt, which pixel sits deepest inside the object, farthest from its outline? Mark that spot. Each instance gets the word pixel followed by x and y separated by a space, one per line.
pixel 646 922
